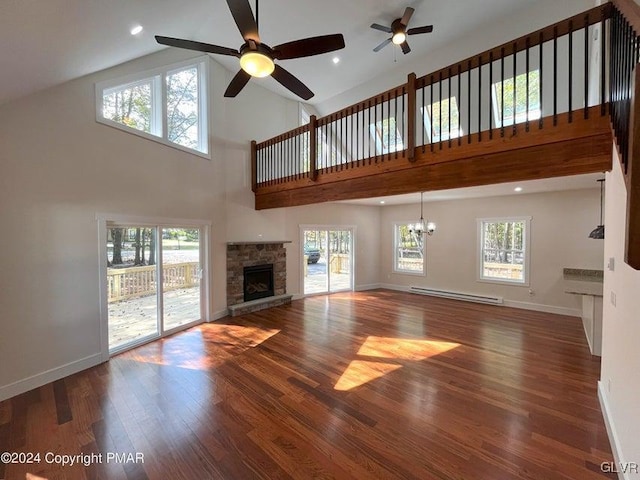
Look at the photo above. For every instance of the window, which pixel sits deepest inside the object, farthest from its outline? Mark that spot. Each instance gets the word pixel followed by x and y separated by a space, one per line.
pixel 408 250
pixel 166 105
pixel 387 136
pixel 521 113
pixel 504 249
pixel 439 123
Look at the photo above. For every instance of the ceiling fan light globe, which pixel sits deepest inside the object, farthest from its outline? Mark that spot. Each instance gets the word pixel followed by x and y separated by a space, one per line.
pixel 399 38
pixel 257 64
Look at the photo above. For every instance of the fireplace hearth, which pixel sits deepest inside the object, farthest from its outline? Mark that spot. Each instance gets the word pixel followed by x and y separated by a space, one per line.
pixel 258 282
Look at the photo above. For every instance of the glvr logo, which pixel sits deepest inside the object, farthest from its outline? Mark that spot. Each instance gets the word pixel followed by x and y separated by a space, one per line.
pixel 622 467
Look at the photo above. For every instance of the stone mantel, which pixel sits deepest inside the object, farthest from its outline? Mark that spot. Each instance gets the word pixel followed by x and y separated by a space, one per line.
pixel 260 242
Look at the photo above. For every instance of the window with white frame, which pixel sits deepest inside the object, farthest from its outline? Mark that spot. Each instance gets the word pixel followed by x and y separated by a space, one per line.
pixel 504 249
pixel 515 95
pixel 442 120
pixel 387 136
pixel 168 105
pixel 408 250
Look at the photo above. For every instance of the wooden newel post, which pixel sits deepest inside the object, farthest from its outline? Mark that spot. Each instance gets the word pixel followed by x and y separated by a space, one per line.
pixel 313 148
pixel 411 117
pixel 254 165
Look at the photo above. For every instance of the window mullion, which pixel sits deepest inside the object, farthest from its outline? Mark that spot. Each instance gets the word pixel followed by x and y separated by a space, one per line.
pixel 163 106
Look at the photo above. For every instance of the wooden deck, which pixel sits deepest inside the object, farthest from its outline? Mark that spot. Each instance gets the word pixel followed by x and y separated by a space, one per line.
pixel 136 318
pixel 368 385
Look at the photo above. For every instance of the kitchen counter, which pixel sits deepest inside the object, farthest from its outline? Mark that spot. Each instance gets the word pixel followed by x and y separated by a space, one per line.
pixel 588 284
pixel 583 282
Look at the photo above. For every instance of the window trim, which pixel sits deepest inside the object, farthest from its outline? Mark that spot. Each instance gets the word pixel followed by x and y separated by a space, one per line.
pixel 428 124
pixel 526 264
pixel 377 135
pixel 394 244
pixel 155 76
pixel 529 115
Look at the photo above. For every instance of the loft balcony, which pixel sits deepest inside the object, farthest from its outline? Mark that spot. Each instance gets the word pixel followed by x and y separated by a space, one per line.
pixel 548 104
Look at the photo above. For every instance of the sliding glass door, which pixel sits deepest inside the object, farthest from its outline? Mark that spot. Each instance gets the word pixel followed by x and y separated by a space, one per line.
pixel 327 259
pixel 153 282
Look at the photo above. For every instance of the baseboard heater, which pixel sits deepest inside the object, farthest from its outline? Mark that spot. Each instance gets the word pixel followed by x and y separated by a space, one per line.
pixel 467 297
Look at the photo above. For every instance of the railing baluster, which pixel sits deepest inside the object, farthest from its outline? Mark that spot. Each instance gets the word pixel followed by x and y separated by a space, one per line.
pixel 431 114
pixel 603 48
pixel 586 66
pixel 459 100
pixel 555 76
pixel 449 106
pixel 489 102
pixel 502 81
pixel 440 106
pixel 570 71
pixel 541 81
pixel 515 87
pixel 469 102
pixel 526 91
pixel 480 98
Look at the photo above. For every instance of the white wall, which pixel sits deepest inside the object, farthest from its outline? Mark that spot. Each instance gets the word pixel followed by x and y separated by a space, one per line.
pixel 59 168
pixel 619 390
pixel 560 225
pixel 470 43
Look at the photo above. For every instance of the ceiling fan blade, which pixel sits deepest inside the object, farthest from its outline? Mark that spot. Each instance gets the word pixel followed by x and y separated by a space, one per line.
pixel 405 47
pixel 237 84
pixel 382 28
pixel 418 30
pixel 198 46
pixel 292 83
pixel 246 22
pixel 382 45
pixel 307 47
pixel 407 16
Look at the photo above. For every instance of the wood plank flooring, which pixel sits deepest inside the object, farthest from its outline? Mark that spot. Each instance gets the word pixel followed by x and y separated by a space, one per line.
pixel 369 385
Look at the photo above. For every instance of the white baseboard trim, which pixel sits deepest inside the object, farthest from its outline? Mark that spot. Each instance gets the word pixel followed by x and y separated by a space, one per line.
pixel 397 288
pixel 370 286
pixel 219 314
pixel 298 296
pixel 611 431
pixel 539 307
pixel 35 381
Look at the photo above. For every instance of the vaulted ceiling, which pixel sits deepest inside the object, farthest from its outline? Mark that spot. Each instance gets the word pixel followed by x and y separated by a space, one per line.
pixel 48 42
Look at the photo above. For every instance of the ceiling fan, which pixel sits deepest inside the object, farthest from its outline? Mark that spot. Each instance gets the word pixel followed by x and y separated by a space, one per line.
pixel 399 32
pixel 257 58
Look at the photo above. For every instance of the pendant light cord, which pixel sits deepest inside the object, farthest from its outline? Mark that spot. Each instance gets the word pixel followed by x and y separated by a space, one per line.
pixel 257 16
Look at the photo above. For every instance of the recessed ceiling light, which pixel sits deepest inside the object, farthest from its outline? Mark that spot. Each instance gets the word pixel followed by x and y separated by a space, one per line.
pixel 336 60
pixel 136 30
pixel 382 202
pixel 517 189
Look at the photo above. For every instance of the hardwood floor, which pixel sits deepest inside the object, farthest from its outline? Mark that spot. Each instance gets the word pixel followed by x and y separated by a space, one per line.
pixel 369 385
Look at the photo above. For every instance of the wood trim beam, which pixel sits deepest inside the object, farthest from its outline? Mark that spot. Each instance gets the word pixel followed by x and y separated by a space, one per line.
pixel 632 235
pixel 568 157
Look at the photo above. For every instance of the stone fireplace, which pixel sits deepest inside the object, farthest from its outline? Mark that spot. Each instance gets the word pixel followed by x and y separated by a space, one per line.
pixel 256 276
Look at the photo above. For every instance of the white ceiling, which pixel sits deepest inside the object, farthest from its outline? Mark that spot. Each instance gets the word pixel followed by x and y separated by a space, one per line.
pixel 576 182
pixel 47 42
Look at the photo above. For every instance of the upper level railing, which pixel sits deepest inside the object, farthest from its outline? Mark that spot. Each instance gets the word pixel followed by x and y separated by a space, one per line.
pixel 537 81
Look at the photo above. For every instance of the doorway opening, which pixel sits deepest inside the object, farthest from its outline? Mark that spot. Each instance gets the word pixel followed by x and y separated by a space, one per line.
pixel 154 281
pixel 327 259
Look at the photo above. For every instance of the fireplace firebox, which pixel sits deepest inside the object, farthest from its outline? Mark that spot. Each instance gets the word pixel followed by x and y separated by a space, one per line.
pixel 258 282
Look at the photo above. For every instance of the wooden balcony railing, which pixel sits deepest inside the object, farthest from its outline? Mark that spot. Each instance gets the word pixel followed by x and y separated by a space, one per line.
pixel 472 100
pixel 535 107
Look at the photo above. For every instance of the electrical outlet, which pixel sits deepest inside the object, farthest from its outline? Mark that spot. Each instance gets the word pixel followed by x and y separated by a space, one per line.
pixel 531 292
pixel 609 386
pixel 613 298
pixel 611 265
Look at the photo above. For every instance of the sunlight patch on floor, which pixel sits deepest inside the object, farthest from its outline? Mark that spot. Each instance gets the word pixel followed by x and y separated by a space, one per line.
pixel 360 372
pixel 203 347
pixel 396 350
pixel 404 349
